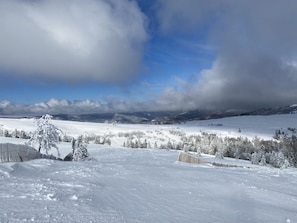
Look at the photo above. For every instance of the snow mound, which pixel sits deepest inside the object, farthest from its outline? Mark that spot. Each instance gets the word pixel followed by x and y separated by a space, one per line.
pixel 17 153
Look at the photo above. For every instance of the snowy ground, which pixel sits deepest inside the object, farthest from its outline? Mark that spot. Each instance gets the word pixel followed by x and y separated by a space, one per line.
pixel 133 185
pixel 146 185
pixel 250 126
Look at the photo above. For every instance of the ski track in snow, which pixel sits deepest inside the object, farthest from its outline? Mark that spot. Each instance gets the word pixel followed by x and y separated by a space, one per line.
pixel 131 185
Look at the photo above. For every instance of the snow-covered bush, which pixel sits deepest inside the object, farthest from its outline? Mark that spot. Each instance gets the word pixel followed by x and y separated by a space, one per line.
pixel 21 134
pixel 46 135
pixel 286 164
pixel 219 155
pixel 66 138
pixel 177 132
pixel 79 148
pixel 263 161
pixel 289 148
pixel 275 159
pixel 255 158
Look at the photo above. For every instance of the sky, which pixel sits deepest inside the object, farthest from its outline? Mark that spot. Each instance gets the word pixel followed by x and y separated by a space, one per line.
pixel 146 55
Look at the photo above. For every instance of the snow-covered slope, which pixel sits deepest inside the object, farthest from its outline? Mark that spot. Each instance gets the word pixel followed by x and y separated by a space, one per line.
pixel 250 126
pixel 147 185
pixel 261 126
pixel 131 185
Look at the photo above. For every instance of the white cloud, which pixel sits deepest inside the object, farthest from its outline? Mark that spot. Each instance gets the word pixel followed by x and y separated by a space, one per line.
pixel 72 39
pixel 53 106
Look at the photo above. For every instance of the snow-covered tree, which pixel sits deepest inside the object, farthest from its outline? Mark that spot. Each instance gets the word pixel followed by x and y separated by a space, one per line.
pixel 80 149
pixel 263 161
pixel 219 154
pixel 286 164
pixel 108 141
pixel 97 140
pixel 186 147
pixel 255 158
pixel 46 135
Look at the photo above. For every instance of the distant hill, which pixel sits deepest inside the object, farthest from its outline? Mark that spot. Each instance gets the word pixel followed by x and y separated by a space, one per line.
pixel 289 109
pixel 87 111
pixel 133 117
pixel 171 117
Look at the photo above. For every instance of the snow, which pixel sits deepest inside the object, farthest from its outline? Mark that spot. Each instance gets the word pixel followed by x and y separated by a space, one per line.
pixel 250 126
pixel 133 185
pixel 147 185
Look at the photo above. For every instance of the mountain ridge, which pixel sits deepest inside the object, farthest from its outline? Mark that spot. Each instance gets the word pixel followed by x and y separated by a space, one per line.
pixel 92 111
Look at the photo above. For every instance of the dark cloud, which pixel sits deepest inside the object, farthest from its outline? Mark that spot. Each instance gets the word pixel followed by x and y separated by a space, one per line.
pixel 72 40
pixel 256 43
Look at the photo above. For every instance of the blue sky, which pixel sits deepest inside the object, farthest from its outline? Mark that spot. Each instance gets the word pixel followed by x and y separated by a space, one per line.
pixel 149 54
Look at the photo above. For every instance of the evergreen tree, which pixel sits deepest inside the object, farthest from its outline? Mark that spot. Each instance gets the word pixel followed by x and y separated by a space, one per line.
pixel 80 150
pixel 73 143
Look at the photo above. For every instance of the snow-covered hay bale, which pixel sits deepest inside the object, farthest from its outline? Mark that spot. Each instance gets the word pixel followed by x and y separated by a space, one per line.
pixel 17 153
pixel 188 158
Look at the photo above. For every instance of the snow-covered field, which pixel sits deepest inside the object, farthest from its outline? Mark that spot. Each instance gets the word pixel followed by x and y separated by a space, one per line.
pixel 147 185
pixel 250 126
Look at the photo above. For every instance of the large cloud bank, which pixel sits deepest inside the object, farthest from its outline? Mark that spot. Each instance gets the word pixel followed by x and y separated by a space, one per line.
pixel 256 42
pixel 53 106
pixel 72 40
